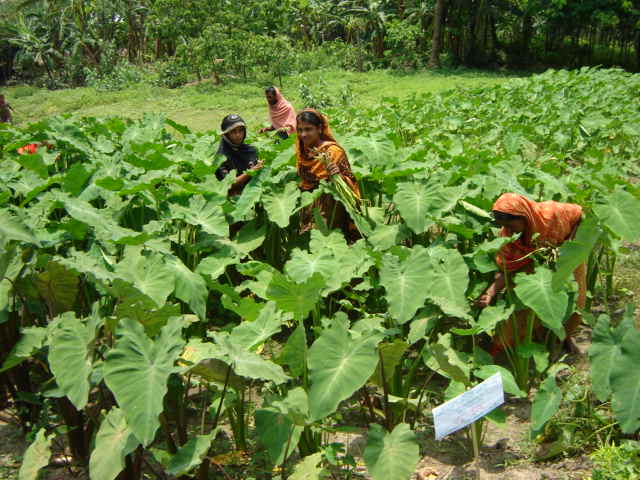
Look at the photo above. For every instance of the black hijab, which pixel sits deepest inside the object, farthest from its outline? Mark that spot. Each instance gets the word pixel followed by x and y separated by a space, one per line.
pixel 239 157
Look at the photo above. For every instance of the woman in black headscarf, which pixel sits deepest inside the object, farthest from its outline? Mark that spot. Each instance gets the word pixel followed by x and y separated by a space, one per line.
pixel 240 156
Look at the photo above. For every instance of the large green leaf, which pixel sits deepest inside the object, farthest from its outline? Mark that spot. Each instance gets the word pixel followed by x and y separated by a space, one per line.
pixel 36 456
pixel 206 214
pixel 294 353
pixel 297 298
pixel 114 441
pixel 250 334
pixel 31 340
pixel 575 252
pixel 339 365
pixel 58 286
pixel 137 369
pixel 310 468
pixel 11 228
pixel 391 353
pixel 618 212
pixel 190 287
pixel 625 383
pixel 550 304
pixel 420 203
pixel 191 454
pixel 391 455
pixel 606 345
pixel 545 404
pixel 447 280
pixel 405 282
pixel 508 381
pixel 281 205
pixel 70 357
pixel 147 273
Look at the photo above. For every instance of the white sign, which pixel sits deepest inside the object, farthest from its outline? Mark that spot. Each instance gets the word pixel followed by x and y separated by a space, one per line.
pixel 468 407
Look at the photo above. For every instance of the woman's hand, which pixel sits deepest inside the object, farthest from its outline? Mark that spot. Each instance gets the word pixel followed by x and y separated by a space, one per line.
pixel 484 300
pixel 332 169
pixel 258 165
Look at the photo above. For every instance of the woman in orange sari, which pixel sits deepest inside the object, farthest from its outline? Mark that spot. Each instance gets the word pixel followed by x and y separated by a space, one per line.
pixel 540 224
pixel 315 143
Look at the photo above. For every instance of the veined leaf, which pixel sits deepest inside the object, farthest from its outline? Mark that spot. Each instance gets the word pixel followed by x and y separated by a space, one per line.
pixel 31 340
pixel 191 454
pixel 36 456
pixel 137 370
pixel 575 252
pixel 281 205
pixel 420 204
pixel 11 228
pixel 339 365
pixel 545 404
pixel 309 468
pixel 190 287
pixel 391 455
pixel 250 334
pixel 114 441
pixel 447 280
pixel 297 298
pixel 625 383
pixel 70 357
pixel 550 305
pixel 618 213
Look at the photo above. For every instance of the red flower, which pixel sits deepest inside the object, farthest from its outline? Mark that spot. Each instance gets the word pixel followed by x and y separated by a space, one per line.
pixel 31 148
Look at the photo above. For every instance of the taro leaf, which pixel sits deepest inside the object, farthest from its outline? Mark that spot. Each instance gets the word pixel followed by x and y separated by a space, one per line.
pixel 70 357
pixel 539 353
pixel 618 212
pixel 550 304
pixel 575 252
pixel 12 228
pixel 245 363
pixel 147 273
pixel 251 334
pixel 492 316
pixel 294 353
pixel 114 441
pixel 545 404
pixel 30 341
pixel 419 204
pixel 58 287
pixel 190 287
pixel 391 455
pixel 625 383
pixel 201 358
pixel 303 265
pixel 508 382
pixel 36 456
pixel 190 455
pixel 251 193
pixel 309 468
pixel 137 306
pixel 75 179
pixel 391 353
pixel 206 214
pixel 606 346
pixel 274 429
pixel 281 205
pixel 405 282
pixel 136 370
pixel 339 365
pixel 446 281
pixel 281 419
pixel 297 298
pixel 216 263
pixel 450 363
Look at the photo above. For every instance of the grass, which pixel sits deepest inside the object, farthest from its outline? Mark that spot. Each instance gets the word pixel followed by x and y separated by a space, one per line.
pixel 202 107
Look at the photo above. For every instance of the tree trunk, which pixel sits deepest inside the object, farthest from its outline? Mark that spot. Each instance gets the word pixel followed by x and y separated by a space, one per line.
pixel 436 40
pixel 527 31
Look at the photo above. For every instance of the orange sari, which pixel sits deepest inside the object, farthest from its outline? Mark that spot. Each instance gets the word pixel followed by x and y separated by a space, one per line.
pixel 312 170
pixel 554 223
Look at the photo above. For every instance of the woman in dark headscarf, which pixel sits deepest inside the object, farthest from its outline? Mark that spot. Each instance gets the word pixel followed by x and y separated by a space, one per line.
pixel 240 156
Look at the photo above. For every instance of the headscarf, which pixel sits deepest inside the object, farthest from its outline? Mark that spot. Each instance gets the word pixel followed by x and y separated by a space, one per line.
pixel 239 157
pixel 552 221
pixel 282 114
pixel 311 169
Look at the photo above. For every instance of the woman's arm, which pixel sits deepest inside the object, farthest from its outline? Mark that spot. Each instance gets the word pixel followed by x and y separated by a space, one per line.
pixel 490 293
pixel 242 179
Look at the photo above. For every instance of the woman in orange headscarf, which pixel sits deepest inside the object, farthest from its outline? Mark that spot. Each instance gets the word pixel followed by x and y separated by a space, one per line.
pixel 540 224
pixel 318 157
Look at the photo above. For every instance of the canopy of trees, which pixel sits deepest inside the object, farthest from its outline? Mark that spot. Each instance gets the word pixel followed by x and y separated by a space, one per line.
pixel 62 42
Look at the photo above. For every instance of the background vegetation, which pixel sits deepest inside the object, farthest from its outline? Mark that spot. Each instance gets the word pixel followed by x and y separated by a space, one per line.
pixel 114 43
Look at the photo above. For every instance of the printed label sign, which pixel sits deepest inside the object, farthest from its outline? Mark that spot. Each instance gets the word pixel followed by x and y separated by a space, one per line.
pixel 468 407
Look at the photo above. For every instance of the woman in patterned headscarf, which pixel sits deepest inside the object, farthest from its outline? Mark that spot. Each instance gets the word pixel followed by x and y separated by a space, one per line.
pixel 281 113
pixel 314 142
pixel 540 224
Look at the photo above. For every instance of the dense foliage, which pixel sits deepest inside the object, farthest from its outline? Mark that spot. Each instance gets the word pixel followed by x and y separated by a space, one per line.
pixel 144 309
pixel 69 42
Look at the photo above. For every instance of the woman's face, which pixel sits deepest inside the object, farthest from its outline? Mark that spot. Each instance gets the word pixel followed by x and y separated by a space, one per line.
pixel 517 225
pixel 271 98
pixel 236 136
pixel 309 133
